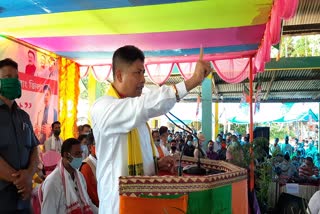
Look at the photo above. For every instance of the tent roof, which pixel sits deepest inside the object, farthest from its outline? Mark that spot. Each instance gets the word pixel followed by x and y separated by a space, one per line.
pixel 92 29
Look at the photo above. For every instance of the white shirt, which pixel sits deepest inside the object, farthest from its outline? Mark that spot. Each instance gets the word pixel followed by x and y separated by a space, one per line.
pixel 53 144
pixel 54 200
pixel 112 119
pixel 314 204
pixel 164 148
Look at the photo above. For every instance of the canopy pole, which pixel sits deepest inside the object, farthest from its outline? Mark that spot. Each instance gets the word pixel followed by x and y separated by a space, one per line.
pixel 251 179
pixel 319 130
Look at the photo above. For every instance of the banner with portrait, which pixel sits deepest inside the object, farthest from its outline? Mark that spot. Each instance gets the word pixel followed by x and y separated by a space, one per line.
pixel 38 73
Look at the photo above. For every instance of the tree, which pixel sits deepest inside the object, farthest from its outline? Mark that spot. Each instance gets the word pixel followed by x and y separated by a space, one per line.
pixel 196 125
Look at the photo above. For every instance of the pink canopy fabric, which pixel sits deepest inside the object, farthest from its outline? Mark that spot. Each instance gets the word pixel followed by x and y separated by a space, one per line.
pixel 186 69
pixel 232 70
pixel 159 72
pixel 101 72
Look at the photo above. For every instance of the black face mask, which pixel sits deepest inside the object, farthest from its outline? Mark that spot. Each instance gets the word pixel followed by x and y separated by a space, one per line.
pixel 56 132
pixel 173 148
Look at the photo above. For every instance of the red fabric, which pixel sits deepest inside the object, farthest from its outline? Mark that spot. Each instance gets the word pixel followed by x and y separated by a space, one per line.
pixel 91 183
pixel 50 160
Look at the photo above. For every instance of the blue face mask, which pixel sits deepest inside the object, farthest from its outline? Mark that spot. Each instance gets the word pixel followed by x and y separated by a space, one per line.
pixel 169 139
pixel 76 163
pixel 189 143
pixel 85 150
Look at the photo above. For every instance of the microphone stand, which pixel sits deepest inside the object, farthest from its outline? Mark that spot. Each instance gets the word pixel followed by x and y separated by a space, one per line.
pixel 195 169
pixel 191 169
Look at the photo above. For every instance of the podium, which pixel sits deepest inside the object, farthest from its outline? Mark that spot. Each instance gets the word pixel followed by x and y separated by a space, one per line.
pixel 224 192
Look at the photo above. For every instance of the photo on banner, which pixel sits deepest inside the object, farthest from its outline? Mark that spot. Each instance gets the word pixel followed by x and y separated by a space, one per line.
pixel 38 73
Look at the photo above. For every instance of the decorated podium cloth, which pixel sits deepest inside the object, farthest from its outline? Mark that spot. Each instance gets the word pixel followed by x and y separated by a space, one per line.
pixel 218 193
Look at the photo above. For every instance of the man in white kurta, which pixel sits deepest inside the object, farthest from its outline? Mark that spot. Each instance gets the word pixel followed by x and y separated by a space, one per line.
pixel 113 118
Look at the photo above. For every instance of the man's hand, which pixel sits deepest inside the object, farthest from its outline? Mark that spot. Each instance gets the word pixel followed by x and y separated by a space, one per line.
pixel 202 70
pixel 46 129
pixel 23 182
pixel 167 163
pixel 6 101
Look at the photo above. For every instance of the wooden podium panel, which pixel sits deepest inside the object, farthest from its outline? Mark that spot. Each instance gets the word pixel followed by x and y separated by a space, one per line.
pixel 218 193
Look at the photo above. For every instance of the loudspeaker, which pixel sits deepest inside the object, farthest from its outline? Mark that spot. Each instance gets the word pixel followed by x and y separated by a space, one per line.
pixel 265 133
pixel 291 204
pixel 262 132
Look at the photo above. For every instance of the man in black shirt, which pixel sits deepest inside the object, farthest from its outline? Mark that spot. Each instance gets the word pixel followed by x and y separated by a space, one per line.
pixel 18 145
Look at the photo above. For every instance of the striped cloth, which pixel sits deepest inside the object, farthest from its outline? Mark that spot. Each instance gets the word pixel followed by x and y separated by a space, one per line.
pixel 306 171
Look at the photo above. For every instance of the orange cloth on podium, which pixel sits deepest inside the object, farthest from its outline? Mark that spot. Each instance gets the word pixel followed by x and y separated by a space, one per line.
pixel 135 205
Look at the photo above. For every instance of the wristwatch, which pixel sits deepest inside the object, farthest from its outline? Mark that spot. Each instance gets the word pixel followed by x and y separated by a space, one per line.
pixel 176 92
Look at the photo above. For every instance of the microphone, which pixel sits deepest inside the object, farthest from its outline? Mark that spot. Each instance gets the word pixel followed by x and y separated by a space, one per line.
pixel 191 169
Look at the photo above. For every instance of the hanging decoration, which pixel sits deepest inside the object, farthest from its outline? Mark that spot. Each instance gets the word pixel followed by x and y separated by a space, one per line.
pixel 159 72
pixel 232 70
pixel 186 69
pixel 69 77
pixel 101 72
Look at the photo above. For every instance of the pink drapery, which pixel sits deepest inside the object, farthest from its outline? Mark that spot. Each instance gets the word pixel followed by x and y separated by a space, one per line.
pixel 186 69
pixel 282 9
pixel 159 72
pixel 232 70
pixel 101 72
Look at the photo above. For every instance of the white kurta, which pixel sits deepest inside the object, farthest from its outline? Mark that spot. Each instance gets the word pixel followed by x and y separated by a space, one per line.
pixel 314 204
pixel 54 200
pixel 112 119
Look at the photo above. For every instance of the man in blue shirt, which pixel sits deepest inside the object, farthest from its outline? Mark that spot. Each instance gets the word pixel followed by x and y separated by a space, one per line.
pixel 18 145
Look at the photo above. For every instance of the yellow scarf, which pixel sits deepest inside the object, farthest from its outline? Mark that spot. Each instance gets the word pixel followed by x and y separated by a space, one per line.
pixel 135 161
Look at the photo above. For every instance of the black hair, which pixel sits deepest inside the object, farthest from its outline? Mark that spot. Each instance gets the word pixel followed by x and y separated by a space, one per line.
pixel 8 62
pixel 81 137
pixel 86 125
pixel 30 51
pixel 154 131
pixel 163 129
pixel 46 87
pixel 309 159
pixel 67 145
pixel 54 123
pixel 126 55
pixel 90 139
pixel 190 137
pixel 287 156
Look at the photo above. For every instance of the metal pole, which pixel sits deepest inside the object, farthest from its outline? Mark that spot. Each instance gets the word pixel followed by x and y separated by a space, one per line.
pixel 251 126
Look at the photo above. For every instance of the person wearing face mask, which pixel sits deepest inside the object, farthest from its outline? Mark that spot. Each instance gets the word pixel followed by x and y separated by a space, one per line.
pixel 164 135
pixel 54 142
pixel 88 169
pixel 211 154
pixel 156 141
pixel 199 149
pixel 84 145
pixel 173 148
pixel 19 155
pixel 65 189
pixel 189 150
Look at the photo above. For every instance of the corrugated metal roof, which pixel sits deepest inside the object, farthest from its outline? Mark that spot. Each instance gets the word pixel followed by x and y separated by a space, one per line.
pixel 308 13
pixel 299 85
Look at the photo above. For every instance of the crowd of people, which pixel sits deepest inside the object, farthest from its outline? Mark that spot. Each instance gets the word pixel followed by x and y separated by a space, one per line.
pixel 295 160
